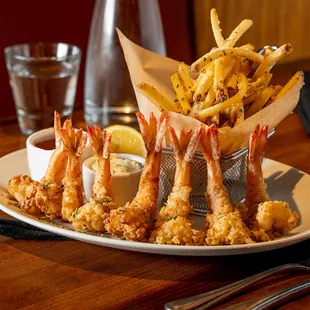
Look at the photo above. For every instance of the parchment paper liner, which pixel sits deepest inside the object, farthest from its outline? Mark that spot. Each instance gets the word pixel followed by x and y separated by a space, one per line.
pixel 149 67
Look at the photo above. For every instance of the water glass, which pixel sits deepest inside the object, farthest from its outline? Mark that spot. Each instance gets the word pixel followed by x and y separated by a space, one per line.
pixel 43 78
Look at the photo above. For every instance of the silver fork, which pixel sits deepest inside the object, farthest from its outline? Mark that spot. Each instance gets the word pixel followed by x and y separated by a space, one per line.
pixel 274 299
pixel 212 298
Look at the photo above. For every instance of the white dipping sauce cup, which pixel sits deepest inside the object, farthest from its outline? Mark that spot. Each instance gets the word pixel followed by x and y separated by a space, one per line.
pixel 38 159
pixel 124 186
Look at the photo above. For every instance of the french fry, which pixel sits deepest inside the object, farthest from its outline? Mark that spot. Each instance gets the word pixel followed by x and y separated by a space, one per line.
pixel 255 86
pixel 289 85
pixel 268 51
pixel 232 82
pixel 196 82
pixel 236 68
pixel 249 47
pixel 268 77
pixel 199 64
pixel 260 101
pixel 222 68
pixel 157 98
pixel 185 76
pixel 217 31
pixel 240 114
pixel 197 107
pixel 211 111
pixel 204 84
pixel 251 98
pixel 276 91
pixel 215 119
pixel 180 93
pixel 270 60
pixel 238 32
pixel 209 98
pixel 219 87
pixel 245 66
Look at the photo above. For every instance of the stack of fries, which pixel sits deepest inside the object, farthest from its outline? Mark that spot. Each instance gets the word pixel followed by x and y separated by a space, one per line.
pixel 227 85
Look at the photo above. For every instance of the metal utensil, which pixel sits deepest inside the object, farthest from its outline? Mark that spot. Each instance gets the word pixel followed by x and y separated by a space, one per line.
pixel 274 299
pixel 214 297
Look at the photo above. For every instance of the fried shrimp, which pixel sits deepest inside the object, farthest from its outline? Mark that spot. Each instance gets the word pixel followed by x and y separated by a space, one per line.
pixel 173 225
pixel 275 218
pixel 44 196
pixel 72 199
pixel 92 215
pixel 49 194
pixel 135 220
pixel 256 187
pixel 224 224
pixel 24 190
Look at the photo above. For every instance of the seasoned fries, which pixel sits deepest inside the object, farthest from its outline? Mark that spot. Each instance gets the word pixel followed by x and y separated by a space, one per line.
pixel 289 85
pixel 155 96
pixel 227 84
pixel 180 93
pixel 199 64
pixel 270 60
pixel 217 31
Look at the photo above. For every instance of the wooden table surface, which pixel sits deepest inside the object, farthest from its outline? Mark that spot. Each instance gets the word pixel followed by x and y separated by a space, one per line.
pixel 76 275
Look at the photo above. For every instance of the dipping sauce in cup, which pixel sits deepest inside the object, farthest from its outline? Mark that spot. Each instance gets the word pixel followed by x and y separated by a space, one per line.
pixel 126 170
pixel 40 146
pixel 46 145
pixel 121 166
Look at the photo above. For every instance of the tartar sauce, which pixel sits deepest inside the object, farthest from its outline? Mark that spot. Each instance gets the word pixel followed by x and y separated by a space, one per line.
pixel 120 166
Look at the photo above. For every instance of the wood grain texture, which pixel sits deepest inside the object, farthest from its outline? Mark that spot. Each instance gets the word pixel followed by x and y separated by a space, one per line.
pixel 77 275
pixel 275 22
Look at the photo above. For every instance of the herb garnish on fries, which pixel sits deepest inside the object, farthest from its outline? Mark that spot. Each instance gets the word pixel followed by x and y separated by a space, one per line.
pixel 226 85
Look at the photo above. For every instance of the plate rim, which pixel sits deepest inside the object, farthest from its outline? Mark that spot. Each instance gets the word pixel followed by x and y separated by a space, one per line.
pixel 217 250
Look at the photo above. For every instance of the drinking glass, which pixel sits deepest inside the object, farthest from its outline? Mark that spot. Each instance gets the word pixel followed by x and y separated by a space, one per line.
pixel 43 78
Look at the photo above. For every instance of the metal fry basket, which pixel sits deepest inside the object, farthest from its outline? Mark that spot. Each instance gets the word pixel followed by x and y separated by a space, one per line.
pixel 234 169
pixel 234 173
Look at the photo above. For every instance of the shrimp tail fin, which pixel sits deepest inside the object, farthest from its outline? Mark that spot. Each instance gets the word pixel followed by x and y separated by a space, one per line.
pixel 185 146
pixel 96 140
pixel 210 143
pixel 256 187
pixel 216 195
pixel 152 134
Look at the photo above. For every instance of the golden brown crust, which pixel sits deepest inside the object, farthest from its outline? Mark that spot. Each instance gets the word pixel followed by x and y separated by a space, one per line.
pixel 178 231
pixel 93 215
pixel 24 190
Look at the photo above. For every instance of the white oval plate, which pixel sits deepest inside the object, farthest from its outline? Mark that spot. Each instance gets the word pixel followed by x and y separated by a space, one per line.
pixel 284 183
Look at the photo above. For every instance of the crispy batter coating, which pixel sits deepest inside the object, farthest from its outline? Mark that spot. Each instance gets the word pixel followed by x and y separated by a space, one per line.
pixel 177 205
pixel 275 217
pixel 24 190
pixel 35 197
pixel 227 229
pixel 92 216
pixel 173 225
pixel 74 144
pixel 49 197
pixel 178 231
pixel 131 221
pixel 135 220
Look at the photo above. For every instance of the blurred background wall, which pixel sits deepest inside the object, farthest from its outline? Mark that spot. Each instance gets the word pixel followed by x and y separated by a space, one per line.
pixel 186 26
pixel 275 22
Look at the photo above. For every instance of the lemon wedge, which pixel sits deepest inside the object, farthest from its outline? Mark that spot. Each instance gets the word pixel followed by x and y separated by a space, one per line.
pixel 126 139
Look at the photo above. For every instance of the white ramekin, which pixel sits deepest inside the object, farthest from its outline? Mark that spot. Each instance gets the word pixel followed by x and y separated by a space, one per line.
pixel 38 158
pixel 125 186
